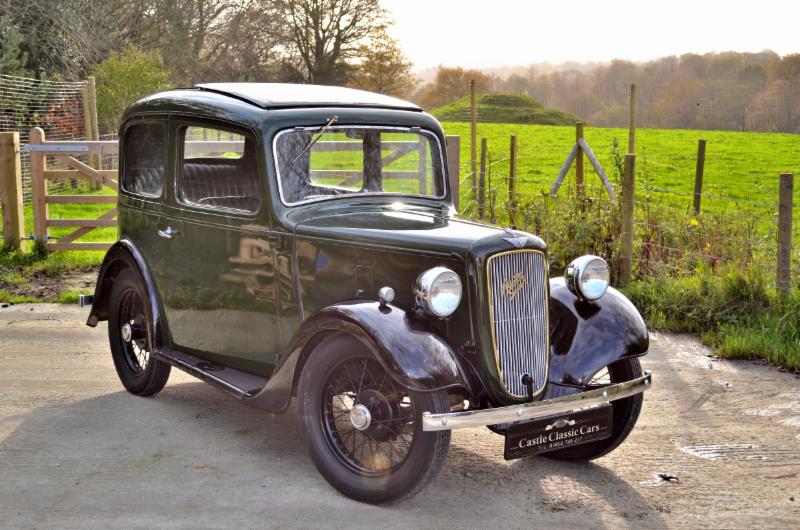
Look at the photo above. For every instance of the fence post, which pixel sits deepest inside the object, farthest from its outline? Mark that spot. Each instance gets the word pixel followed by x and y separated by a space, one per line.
pixel 38 187
pixel 512 182
pixel 632 122
pixel 11 189
pixel 785 233
pixel 579 161
pixel 90 123
pixel 626 221
pixel 482 183
pixel 698 174
pixel 473 132
pixel 453 146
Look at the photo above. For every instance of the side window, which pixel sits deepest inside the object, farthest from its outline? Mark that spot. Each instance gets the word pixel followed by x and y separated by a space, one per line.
pixel 143 171
pixel 219 170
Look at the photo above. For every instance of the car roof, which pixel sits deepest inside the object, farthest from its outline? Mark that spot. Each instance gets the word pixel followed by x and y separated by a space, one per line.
pixel 285 95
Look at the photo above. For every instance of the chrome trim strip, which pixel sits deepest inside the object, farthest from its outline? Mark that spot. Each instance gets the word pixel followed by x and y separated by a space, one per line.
pixel 536 409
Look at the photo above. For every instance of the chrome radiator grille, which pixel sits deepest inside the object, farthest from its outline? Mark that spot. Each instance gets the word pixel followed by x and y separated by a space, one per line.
pixel 519 312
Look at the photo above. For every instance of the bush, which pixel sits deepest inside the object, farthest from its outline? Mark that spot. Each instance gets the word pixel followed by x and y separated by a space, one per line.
pixel 122 79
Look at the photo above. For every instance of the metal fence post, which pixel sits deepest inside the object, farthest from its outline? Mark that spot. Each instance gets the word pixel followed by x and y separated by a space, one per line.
pixel 11 189
pixel 626 218
pixel 698 175
pixel 784 282
pixel 454 166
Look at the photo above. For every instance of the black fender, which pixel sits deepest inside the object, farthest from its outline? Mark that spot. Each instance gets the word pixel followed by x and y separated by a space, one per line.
pixel 585 336
pixel 413 354
pixel 124 254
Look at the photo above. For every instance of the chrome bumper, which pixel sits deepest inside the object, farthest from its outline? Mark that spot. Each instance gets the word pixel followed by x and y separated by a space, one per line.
pixel 536 409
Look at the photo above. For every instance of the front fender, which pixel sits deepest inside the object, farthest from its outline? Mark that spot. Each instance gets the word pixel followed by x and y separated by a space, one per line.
pixel 585 337
pixel 414 356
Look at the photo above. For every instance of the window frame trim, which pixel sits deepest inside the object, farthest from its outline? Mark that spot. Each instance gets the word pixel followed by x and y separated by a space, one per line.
pixel 122 164
pixel 180 140
pixel 419 130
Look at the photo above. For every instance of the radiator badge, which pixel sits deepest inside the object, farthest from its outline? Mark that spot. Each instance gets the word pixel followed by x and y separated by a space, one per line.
pixel 514 285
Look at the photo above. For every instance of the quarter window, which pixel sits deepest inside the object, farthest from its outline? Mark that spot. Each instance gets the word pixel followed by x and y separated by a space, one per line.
pixel 143 165
pixel 219 170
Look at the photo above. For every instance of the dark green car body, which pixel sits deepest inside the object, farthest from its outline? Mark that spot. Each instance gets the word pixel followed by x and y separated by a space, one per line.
pixel 254 291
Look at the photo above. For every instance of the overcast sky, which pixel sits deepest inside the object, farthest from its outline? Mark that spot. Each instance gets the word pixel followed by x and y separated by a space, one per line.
pixel 486 33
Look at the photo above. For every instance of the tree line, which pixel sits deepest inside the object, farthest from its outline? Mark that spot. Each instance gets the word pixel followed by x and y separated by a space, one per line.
pixel 134 47
pixel 716 91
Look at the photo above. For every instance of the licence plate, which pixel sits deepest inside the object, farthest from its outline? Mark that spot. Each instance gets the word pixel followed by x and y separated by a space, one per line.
pixel 558 432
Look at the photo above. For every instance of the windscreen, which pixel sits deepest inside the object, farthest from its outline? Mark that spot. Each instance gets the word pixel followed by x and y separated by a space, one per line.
pixel 341 161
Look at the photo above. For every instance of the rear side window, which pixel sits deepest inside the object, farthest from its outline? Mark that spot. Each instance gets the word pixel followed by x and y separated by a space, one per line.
pixel 143 165
pixel 219 170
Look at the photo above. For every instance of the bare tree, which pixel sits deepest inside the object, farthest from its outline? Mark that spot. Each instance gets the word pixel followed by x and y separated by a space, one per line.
pixel 383 67
pixel 326 34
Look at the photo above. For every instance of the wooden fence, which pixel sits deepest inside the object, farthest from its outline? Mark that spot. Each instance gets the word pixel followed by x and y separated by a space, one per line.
pixel 40 149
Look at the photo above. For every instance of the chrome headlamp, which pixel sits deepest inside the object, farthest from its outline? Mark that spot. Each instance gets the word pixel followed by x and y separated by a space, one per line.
pixel 438 291
pixel 587 277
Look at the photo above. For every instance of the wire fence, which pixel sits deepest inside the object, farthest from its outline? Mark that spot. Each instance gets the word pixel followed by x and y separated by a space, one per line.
pixel 55 106
pixel 737 224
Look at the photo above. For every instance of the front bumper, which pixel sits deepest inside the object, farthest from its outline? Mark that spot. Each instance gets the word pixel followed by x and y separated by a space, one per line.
pixel 536 409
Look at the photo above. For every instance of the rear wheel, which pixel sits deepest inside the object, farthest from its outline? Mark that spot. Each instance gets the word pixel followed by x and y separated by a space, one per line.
pixel 130 340
pixel 364 431
pixel 624 415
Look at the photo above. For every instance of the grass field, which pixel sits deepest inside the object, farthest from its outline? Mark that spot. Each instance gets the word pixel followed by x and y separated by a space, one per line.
pixel 741 169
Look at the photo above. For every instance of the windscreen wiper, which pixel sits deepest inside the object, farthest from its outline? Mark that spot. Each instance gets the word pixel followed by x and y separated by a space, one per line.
pixel 314 140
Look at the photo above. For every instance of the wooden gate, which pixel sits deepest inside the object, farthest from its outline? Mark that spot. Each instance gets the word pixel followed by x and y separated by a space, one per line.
pixel 39 150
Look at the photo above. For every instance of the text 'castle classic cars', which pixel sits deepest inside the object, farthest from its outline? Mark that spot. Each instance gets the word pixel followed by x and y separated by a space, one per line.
pixel 301 241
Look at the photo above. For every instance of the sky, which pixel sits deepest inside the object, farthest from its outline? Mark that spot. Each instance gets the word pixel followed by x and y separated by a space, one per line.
pixel 492 33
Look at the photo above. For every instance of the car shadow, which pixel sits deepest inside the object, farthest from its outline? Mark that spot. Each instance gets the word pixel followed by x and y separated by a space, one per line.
pixel 193 454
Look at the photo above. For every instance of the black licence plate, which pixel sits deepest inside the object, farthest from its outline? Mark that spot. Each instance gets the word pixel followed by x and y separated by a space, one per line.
pixel 558 432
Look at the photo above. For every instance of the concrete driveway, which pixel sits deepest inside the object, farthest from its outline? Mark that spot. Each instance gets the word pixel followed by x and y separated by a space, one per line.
pixel 77 451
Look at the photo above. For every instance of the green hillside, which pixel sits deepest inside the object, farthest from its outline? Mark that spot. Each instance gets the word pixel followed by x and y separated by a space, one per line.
pixel 504 108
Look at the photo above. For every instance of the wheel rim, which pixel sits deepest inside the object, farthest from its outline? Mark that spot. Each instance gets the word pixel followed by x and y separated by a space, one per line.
pixel 133 331
pixel 368 420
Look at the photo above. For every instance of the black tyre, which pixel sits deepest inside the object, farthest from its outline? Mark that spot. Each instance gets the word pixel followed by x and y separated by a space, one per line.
pixel 625 413
pixel 363 430
pixel 128 334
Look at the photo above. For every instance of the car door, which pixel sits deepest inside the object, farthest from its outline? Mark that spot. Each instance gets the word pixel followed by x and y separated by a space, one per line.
pixel 221 296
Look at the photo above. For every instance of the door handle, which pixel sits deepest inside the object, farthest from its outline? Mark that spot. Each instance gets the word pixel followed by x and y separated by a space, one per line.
pixel 168 232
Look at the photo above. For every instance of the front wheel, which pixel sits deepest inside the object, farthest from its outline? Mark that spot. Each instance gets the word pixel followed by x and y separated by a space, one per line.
pixel 624 415
pixel 364 431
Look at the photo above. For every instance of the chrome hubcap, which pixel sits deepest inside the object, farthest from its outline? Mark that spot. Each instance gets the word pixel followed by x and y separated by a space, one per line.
pixel 126 332
pixel 360 417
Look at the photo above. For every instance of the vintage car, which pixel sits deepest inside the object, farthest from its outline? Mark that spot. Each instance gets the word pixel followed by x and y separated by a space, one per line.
pixel 285 241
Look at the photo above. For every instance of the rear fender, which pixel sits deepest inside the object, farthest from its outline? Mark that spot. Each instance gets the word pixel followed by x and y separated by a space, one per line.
pixel 124 254
pixel 585 336
pixel 414 356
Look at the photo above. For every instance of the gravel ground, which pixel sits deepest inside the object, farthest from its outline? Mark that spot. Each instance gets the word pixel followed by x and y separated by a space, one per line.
pixel 78 451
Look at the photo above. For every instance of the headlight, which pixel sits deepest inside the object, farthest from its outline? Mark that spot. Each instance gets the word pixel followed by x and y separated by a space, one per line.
pixel 587 277
pixel 438 291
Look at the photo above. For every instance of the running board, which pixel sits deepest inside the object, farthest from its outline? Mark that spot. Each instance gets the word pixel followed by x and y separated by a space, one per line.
pixel 241 384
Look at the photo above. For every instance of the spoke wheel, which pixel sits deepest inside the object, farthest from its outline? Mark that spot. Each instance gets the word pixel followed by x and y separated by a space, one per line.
pixel 364 429
pixel 133 331
pixel 129 337
pixel 369 419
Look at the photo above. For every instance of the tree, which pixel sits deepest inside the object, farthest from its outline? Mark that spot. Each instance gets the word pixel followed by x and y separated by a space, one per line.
pixel 122 79
pixel 452 84
pixel 12 58
pixel 325 35
pixel 384 68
